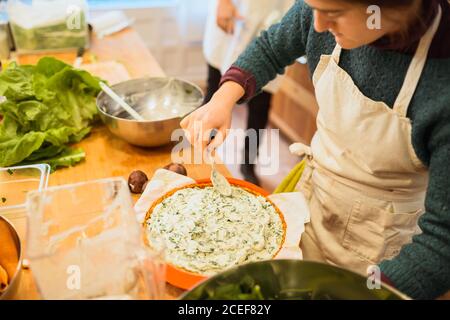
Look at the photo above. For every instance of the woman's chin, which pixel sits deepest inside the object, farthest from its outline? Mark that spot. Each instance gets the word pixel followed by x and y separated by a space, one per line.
pixel 348 44
pixel 345 43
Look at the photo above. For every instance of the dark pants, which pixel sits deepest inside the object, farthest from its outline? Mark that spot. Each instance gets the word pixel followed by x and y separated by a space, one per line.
pixel 258 110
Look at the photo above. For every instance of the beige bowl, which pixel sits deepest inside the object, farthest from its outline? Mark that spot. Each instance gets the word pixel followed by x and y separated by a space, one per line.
pixel 10 257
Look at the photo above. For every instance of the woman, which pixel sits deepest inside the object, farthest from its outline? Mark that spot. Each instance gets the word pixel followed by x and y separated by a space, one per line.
pixel 382 149
pixel 231 26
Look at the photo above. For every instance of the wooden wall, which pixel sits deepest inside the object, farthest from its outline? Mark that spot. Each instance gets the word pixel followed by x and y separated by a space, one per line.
pixel 294 107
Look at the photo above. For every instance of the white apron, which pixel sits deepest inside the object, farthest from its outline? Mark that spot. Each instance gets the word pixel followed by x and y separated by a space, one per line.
pixel 364 182
pixel 221 50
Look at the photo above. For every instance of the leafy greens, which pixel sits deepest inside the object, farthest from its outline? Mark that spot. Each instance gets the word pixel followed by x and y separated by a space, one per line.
pixel 48 106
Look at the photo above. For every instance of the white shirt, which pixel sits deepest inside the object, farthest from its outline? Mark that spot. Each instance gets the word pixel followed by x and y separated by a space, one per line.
pixel 221 50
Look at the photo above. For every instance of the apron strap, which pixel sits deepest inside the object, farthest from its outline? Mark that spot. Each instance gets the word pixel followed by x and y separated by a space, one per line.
pixel 336 55
pixel 416 68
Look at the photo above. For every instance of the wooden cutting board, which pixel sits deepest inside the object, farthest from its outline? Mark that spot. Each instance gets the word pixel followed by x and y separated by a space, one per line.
pixel 111 71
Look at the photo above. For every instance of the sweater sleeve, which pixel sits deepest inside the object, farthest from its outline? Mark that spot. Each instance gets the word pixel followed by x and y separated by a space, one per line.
pixel 271 52
pixel 422 269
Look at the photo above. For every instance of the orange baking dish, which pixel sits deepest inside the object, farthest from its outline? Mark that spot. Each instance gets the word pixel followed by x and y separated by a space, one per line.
pixel 184 279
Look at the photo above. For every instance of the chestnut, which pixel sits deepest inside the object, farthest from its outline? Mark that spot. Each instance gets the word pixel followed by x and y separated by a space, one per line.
pixel 137 181
pixel 176 167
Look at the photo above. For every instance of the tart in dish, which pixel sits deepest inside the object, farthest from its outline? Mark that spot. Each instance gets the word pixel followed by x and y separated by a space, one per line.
pixel 204 232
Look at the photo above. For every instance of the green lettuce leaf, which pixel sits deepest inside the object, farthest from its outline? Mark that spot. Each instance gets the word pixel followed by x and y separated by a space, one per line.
pixel 48 106
pixel 66 157
pixel 15 150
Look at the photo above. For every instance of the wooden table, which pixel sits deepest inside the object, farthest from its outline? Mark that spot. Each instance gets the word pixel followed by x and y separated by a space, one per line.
pixel 106 155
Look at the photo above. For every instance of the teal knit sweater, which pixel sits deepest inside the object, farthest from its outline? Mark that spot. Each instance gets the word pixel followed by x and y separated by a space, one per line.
pixel 422 269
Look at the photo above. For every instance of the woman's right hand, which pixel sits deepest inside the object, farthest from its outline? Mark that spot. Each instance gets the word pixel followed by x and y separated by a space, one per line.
pixel 199 124
pixel 216 114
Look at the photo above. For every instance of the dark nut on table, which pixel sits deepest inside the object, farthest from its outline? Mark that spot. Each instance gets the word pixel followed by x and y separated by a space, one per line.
pixel 176 167
pixel 137 181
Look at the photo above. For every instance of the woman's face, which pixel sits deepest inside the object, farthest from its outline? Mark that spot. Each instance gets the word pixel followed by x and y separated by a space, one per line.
pixel 349 22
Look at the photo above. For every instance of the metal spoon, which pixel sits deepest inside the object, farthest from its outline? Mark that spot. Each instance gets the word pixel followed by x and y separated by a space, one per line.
pixel 220 183
pixel 121 102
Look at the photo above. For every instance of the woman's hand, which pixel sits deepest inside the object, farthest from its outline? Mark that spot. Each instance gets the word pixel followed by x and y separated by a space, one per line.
pixel 199 124
pixel 227 13
pixel 214 115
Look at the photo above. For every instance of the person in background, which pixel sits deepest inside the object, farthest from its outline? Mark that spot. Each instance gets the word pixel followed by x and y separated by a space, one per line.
pixel 231 26
pixel 377 171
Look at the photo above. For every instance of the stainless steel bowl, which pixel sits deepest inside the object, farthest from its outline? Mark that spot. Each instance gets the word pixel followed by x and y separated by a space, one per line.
pixel 291 280
pixel 14 241
pixel 142 95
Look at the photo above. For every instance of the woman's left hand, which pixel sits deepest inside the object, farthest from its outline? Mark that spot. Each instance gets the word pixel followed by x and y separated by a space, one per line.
pixel 227 14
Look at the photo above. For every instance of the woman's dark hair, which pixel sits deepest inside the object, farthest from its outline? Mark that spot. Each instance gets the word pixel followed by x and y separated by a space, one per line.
pixel 394 4
pixel 386 3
